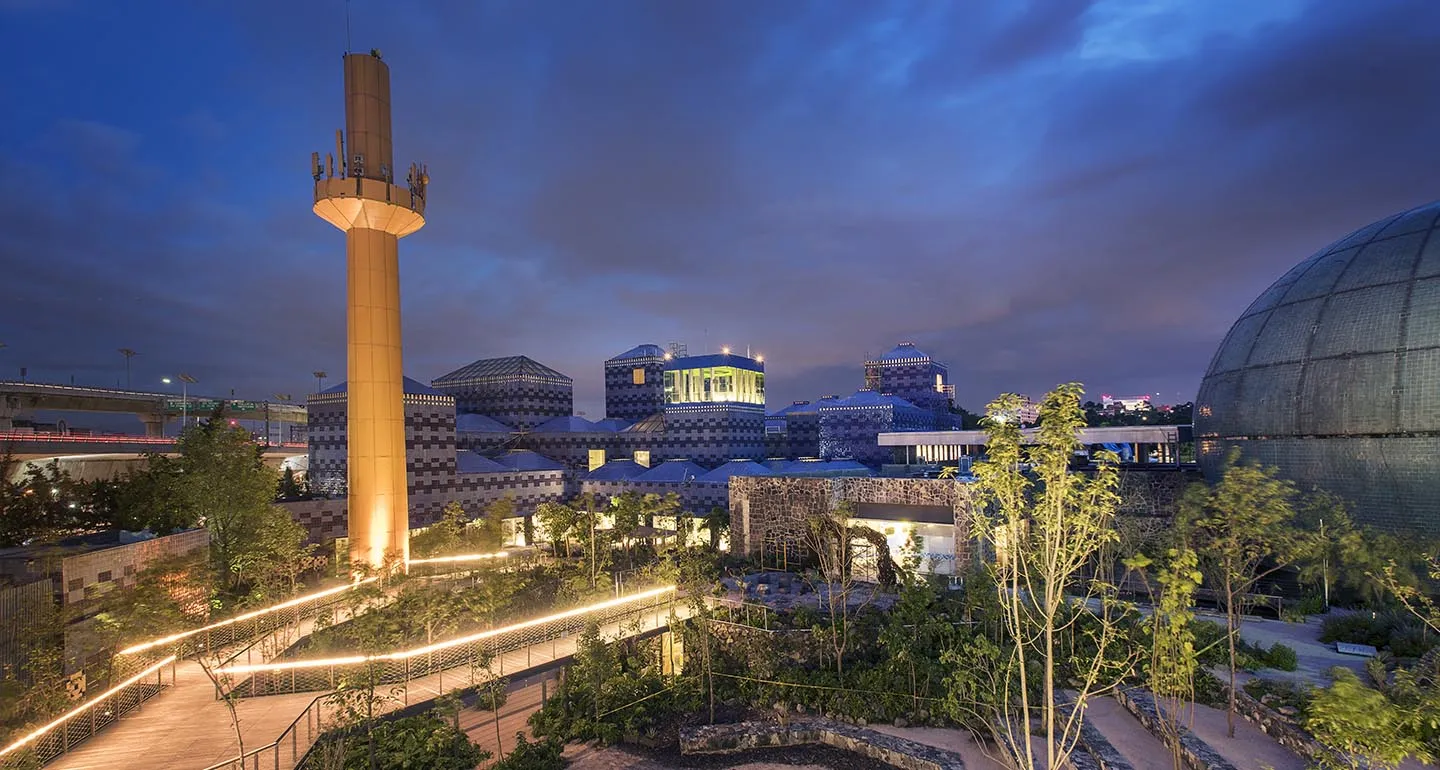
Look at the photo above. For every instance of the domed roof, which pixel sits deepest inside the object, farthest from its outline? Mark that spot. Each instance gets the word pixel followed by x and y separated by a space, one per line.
pixel 1333 374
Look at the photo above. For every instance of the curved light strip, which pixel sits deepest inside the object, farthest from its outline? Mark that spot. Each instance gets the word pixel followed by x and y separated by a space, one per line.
pixel 255 614
pixel 403 654
pixel 69 714
pixel 462 557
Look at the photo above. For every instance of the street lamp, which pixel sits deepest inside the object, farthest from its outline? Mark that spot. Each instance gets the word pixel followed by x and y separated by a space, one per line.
pixel 129 354
pixel 320 380
pixel 185 380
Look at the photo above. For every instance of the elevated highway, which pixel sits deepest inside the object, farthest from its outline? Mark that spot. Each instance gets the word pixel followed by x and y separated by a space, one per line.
pixel 92 458
pixel 152 408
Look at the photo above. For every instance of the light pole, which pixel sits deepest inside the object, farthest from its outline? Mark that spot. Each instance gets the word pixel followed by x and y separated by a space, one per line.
pixel 320 380
pixel 283 398
pixel 129 354
pixel 185 380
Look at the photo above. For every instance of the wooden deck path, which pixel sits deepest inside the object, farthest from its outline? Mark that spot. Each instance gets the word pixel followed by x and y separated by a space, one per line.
pixel 186 728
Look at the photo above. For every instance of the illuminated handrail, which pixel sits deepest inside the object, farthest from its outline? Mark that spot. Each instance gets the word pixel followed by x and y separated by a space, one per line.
pixel 460 558
pixel 407 665
pixel 188 642
pixel 61 734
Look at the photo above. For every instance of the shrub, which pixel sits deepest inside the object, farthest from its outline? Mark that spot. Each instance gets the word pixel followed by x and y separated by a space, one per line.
pixel 1281 657
pixel 1401 634
pixel 540 755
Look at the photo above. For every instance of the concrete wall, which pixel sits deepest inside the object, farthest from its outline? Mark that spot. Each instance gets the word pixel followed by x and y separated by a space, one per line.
pixel 88 574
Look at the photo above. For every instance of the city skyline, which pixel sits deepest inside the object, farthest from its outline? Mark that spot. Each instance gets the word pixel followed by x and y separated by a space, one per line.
pixel 1029 199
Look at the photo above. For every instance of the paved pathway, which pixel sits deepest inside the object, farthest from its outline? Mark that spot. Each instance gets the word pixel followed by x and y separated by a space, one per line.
pixel 186 728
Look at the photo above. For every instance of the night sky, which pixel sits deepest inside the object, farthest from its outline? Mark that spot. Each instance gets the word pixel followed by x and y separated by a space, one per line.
pixel 1031 193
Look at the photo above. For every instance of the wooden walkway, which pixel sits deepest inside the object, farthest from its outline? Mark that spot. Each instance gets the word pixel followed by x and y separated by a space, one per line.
pixel 186 728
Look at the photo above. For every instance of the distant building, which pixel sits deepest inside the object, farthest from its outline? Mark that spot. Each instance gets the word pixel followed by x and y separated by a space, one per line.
pixel 437 471
pixel 714 408
pixel 635 383
pixel 517 391
pixel 849 427
pixel 1130 404
pixel 909 373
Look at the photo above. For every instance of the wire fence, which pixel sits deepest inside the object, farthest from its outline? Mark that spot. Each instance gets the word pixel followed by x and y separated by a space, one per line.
pixel 473 652
pixel 74 727
pixel 243 628
pixel 295 740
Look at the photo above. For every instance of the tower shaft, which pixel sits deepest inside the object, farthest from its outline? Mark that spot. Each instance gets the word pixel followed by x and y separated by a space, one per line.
pixel 375 214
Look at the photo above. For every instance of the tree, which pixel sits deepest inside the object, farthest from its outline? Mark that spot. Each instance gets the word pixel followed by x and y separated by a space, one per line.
pixel 289 487
pixel 828 537
pixel 717 523
pixel 495 692
pixel 628 510
pixel 1243 529
pixel 220 481
pixel 491 531
pixel 1045 525
pixel 1362 723
pixel 444 536
pixel 43 504
pixel 557 522
pixel 1173 658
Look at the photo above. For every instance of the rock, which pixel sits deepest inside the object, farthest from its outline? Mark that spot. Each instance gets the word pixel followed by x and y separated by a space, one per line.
pixel 1289 711
pixel 922 715
pixel 1268 699
pixel 799 708
pixel 901 722
pixel 861 722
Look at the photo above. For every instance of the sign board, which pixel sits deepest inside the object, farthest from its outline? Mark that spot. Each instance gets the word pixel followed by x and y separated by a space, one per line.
pixel 1363 650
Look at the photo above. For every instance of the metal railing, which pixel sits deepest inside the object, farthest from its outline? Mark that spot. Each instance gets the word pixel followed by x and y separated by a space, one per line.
pixel 292 745
pixel 75 726
pixel 472 651
pixel 244 627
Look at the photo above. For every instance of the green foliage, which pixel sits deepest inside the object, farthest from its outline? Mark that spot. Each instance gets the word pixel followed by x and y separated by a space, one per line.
pixel 538 755
pixel 613 689
pixel 1400 634
pixel 424 742
pixel 1243 528
pixel 45 504
pixel 1047 523
pixel 1281 657
pixel 1365 724
pixel 290 487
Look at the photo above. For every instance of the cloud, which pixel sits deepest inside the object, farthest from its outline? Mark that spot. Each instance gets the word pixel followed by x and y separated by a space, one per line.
pixel 1033 193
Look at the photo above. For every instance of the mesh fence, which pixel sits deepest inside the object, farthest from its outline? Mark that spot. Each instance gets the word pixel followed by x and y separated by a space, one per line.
pixel 76 726
pixel 472 654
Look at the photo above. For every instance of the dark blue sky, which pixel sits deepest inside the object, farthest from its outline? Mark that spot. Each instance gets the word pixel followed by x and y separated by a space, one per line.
pixel 1032 193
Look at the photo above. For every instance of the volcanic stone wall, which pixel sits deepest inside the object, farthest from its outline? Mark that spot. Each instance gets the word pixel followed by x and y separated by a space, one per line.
pixel 773 510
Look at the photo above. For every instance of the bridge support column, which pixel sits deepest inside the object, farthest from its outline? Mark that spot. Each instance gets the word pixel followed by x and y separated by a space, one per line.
pixel 154 424
pixel 9 407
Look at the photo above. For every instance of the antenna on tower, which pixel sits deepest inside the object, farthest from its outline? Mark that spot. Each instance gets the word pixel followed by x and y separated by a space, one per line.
pixel 347 31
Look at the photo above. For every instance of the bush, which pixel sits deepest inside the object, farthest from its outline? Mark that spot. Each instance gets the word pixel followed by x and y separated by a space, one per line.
pixel 1401 634
pixel 540 755
pixel 1281 657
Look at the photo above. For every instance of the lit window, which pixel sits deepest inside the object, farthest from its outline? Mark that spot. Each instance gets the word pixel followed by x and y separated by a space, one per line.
pixel 637 375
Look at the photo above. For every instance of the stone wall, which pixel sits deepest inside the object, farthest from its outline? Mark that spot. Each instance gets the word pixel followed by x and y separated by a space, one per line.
pixel 1198 754
pixel 744 736
pixel 772 510
pixel 1153 492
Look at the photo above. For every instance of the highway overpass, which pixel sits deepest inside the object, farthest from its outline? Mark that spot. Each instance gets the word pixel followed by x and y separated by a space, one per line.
pixel 153 409
pixel 90 458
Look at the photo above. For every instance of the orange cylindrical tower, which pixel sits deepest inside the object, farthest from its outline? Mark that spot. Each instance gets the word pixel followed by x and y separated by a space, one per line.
pixel 362 200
